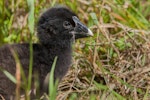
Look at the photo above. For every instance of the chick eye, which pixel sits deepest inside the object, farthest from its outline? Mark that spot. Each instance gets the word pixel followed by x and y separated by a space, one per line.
pixel 67 25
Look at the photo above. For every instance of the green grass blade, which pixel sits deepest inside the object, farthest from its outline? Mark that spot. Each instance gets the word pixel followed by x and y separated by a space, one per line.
pixel 31 28
pixel 9 75
pixel 53 85
pixel 31 15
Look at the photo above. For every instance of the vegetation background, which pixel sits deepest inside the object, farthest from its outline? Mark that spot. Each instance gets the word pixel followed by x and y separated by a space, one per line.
pixel 112 65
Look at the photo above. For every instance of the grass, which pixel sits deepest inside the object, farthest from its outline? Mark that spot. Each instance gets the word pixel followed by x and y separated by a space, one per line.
pixel 53 85
pixel 114 64
pixel 30 4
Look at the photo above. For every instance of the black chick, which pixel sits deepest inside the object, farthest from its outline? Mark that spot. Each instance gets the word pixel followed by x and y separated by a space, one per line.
pixel 57 28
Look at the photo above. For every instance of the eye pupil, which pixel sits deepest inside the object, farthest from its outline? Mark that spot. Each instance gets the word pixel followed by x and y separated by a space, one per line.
pixel 67 24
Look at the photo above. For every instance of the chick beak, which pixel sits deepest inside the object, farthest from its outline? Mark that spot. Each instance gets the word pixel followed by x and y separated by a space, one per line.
pixel 80 30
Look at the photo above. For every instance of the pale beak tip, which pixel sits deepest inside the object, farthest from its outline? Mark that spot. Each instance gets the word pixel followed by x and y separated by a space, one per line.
pixel 90 33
